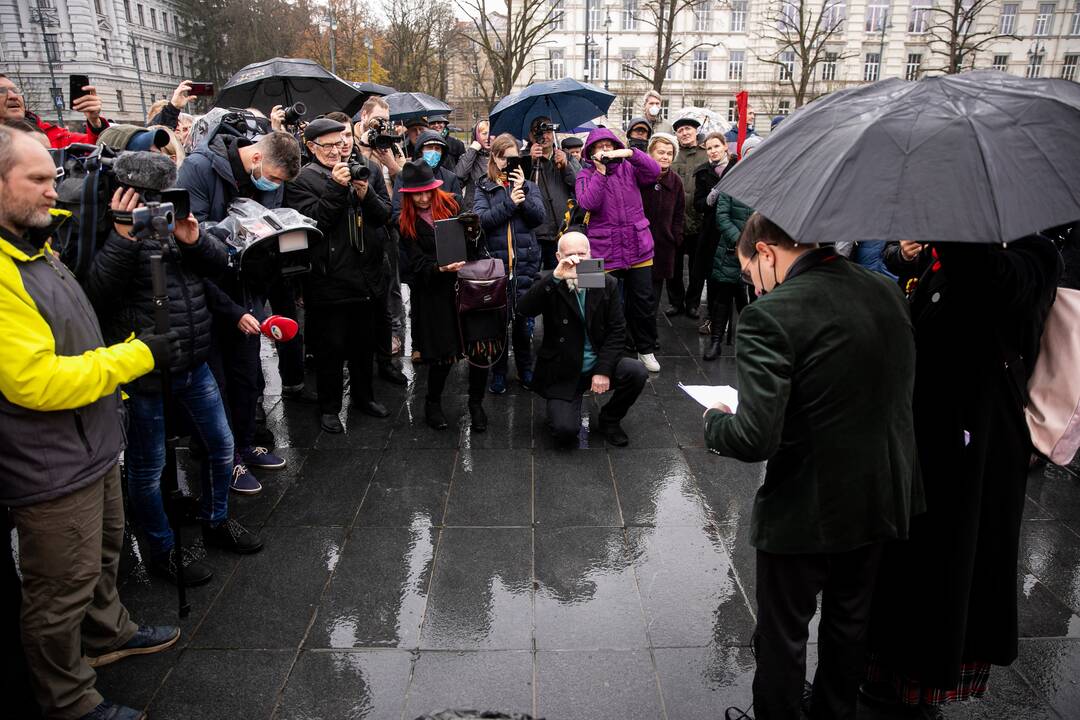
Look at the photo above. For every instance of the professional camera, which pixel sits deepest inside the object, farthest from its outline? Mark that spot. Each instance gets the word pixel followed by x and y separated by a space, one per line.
pixel 295 113
pixel 359 171
pixel 379 136
pixel 266 244
pixel 543 127
pixel 155 219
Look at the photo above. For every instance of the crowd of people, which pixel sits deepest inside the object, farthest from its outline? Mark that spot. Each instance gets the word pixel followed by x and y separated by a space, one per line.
pixel 648 202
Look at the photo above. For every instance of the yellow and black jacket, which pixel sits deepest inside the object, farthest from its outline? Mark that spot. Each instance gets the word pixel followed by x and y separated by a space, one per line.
pixel 61 422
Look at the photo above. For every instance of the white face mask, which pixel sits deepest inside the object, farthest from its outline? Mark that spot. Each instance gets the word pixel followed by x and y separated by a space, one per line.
pixel 654 110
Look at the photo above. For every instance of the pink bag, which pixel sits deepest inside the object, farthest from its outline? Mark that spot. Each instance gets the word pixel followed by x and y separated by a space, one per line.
pixel 1053 408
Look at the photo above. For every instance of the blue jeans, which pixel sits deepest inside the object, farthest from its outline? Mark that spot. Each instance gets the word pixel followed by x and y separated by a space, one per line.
pixel 197 393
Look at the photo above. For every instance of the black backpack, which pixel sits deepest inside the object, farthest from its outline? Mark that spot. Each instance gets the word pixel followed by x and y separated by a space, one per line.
pixel 85 190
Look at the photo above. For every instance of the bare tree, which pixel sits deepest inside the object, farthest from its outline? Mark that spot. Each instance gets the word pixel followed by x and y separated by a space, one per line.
pixel 802 31
pixel 416 44
pixel 506 32
pixel 668 48
pixel 956 35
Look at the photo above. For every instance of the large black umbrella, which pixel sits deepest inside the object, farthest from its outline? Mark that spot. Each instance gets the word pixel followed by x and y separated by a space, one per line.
pixel 976 157
pixel 284 81
pixel 408 105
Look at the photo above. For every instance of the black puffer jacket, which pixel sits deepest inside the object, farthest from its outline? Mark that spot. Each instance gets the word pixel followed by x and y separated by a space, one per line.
pixel 120 289
pixel 347 262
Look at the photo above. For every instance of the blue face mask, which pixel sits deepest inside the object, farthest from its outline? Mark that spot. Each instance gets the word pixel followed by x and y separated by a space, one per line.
pixel 261 183
pixel 432 158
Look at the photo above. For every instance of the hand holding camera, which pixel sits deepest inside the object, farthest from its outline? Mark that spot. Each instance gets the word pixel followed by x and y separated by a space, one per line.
pixel 567 267
pixel 536 151
pixel 341 174
pixel 182 95
pixel 124 202
pixel 277 118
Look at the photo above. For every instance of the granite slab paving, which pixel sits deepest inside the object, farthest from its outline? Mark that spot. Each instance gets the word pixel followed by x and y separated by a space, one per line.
pixel 408 570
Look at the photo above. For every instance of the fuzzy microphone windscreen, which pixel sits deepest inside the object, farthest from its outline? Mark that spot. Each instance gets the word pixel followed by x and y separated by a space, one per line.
pixel 145 170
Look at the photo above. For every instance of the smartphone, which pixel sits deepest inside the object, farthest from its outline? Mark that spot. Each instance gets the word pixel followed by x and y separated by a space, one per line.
pixel 180 199
pixel 201 89
pixel 76 83
pixel 513 163
pixel 590 273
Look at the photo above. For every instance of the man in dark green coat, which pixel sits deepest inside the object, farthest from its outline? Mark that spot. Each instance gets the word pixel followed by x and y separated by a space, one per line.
pixel 826 365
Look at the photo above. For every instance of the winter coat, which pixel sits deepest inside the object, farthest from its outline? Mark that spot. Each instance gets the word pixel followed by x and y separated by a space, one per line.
pixel 685 166
pixel 556 189
pixel 435 333
pixel 61 419
pixel 61 137
pixel 208 176
pixel 618 229
pixel 825 369
pixel 984 304
pixel 471 168
pixel 558 362
pixel 731 216
pixel 664 208
pixel 705 179
pixel 347 263
pixel 443 171
pixel 496 209
pixel 119 286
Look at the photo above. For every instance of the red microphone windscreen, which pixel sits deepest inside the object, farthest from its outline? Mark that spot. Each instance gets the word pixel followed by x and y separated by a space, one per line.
pixel 279 328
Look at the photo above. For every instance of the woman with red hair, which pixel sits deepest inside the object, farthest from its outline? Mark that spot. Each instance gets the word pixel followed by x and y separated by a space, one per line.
pixel 435 336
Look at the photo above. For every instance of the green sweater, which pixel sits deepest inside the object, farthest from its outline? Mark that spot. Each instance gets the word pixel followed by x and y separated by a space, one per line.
pixel 825 368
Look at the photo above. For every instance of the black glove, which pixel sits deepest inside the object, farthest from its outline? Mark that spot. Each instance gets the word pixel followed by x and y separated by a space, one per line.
pixel 164 348
pixel 470 221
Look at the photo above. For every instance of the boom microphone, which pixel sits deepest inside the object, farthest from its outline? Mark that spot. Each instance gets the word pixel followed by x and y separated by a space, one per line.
pixel 145 170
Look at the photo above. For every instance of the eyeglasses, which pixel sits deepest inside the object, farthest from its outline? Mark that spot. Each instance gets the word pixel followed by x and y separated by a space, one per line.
pixel 340 144
pixel 744 270
pixel 5 89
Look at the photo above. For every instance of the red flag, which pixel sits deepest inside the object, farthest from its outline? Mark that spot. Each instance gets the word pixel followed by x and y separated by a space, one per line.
pixel 741 102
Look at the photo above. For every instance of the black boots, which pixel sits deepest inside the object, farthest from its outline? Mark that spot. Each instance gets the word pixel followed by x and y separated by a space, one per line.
pixel 479 417
pixel 712 351
pixel 719 316
pixel 433 412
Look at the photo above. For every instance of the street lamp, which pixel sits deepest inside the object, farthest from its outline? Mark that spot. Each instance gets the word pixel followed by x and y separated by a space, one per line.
pixel 588 26
pixel 885 25
pixel 607 45
pixel 1035 55
pixel 367 44
pixel 329 20
pixel 49 17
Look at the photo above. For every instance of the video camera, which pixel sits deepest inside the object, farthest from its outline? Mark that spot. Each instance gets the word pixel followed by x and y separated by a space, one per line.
pixel 543 127
pixel 379 137
pixel 267 244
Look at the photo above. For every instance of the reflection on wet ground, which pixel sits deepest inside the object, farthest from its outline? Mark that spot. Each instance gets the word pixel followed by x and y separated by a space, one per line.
pixel 408 570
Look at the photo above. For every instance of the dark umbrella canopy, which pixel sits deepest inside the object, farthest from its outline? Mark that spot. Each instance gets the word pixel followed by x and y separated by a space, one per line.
pixel 568 102
pixel 408 105
pixel 976 157
pixel 370 88
pixel 284 81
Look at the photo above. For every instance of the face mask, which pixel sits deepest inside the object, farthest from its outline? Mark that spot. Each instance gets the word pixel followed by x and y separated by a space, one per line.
pixel 445 131
pixel 639 144
pixel 432 157
pixel 654 110
pixel 262 183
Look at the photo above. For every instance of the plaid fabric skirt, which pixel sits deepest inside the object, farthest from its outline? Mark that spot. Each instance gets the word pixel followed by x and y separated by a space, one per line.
pixel 974 681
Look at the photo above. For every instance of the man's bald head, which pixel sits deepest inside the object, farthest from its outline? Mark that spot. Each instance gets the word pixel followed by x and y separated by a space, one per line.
pixel 573 243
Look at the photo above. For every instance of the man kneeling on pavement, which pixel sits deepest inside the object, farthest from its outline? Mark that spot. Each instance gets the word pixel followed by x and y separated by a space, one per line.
pixel 61 430
pixel 584 336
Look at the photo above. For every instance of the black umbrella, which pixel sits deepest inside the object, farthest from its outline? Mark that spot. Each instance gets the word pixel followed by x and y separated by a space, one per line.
pixel 408 105
pixel 370 88
pixel 284 81
pixel 977 157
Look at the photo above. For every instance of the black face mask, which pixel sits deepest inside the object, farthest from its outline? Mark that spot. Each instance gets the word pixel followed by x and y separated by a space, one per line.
pixel 641 145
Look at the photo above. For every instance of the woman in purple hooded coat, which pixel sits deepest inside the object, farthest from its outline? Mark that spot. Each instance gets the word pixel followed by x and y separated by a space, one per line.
pixel 609 188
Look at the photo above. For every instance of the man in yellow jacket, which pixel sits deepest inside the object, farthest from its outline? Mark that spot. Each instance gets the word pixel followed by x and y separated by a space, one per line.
pixel 61 434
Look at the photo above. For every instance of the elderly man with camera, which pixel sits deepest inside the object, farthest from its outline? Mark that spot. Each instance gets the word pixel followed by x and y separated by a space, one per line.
pixel 554 172
pixel 348 277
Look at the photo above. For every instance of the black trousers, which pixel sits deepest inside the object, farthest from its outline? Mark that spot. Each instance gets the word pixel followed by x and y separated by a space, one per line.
pixel 685 255
pixel 282 298
pixel 343 332
pixel 639 306
pixel 722 297
pixel 787 588
pixel 700 267
pixel 439 372
pixel 520 339
pixel 15 680
pixel 627 382
pixel 234 361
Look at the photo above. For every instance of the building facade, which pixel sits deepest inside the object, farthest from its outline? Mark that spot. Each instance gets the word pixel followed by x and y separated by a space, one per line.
pixel 132 50
pixel 877 39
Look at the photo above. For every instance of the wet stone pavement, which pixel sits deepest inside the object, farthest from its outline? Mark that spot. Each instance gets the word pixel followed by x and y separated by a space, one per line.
pixel 408 570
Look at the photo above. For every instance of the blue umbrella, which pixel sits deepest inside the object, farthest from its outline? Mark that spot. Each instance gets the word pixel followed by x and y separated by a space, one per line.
pixel 584 127
pixel 568 102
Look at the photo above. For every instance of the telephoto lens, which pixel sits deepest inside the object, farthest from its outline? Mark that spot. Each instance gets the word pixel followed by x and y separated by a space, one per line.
pixel 295 113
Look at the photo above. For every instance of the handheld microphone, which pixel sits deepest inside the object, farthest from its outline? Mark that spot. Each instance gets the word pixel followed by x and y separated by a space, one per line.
pixel 279 328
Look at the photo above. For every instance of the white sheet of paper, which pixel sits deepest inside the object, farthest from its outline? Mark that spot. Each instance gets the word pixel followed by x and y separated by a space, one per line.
pixel 709 395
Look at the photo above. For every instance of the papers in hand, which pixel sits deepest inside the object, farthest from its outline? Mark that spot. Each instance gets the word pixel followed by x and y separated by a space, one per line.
pixel 710 395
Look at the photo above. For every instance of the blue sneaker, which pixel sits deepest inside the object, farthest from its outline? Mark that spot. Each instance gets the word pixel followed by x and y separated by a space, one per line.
pixel 261 459
pixel 244 482
pixel 148 639
pixel 498 384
